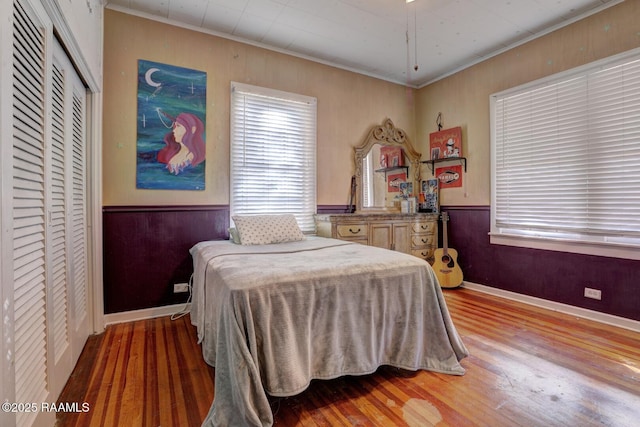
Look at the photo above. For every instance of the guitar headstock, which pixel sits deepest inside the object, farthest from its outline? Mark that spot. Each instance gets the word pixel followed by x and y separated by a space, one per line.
pixel 445 216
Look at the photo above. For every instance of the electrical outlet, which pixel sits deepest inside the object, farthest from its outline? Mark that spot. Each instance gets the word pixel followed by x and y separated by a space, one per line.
pixel 593 293
pixel 180 287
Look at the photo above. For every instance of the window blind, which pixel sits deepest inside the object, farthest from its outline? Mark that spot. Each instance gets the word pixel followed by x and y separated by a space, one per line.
pixel 566 155
pixel 273 153
pixel 367 179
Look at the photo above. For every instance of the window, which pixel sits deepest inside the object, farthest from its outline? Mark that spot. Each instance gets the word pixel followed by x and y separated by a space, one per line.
pixel 566 159
pixel 273 153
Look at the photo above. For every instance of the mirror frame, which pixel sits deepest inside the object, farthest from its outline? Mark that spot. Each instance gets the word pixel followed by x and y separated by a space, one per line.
pixel 386 134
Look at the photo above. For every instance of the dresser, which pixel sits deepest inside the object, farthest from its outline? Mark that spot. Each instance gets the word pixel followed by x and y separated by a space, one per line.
pixel 415 234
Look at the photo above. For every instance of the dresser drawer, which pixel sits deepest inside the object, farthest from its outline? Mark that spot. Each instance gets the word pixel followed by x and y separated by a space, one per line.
pixel 349 231
pixel 424 253
pixel 428 227
pixel 422 240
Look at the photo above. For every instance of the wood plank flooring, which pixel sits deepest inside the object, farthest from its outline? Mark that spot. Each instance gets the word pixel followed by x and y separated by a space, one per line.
pixel 528 367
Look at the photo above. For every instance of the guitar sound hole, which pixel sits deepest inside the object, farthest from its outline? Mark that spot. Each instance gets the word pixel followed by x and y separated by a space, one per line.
pixel 448 261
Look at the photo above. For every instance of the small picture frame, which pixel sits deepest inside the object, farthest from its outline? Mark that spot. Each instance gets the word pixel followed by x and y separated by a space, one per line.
pixel 406 188
pixel 429 197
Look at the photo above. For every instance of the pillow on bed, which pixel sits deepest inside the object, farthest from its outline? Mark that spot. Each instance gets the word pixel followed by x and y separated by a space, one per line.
pixel 267 229
pixel 234 236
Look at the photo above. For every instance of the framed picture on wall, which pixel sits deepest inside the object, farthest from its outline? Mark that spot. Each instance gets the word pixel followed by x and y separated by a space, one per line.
pixel 170 143
pixel 391 156
pixel 446 143
pixel 449 176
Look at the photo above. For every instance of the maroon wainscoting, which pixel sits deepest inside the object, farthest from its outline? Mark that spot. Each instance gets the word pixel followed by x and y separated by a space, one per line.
pixel 146 251
pixel 551 275
pixel 331 209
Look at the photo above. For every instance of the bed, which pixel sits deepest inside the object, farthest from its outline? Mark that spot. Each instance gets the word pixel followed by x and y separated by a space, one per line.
pixel 272 317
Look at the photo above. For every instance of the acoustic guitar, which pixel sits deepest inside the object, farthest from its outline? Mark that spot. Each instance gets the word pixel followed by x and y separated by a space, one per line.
pixel 446 261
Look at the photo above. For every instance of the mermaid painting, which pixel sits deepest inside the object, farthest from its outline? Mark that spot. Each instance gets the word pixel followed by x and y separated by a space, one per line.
pixel 184 146
pixel 171 127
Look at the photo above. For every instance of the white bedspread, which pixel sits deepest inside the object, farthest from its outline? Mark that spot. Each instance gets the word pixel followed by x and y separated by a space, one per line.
pixel 271 318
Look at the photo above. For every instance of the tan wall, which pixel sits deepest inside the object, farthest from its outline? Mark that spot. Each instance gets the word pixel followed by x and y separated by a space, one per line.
pixel 348 104
pixel 463 98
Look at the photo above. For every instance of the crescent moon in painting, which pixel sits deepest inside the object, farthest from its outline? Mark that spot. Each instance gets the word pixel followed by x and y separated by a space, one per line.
pixel 148 79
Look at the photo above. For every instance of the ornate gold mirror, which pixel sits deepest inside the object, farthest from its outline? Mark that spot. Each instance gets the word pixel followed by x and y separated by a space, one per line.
pixel 386 166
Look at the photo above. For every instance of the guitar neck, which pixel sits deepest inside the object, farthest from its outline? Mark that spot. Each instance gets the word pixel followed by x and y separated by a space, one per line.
pixel 445 245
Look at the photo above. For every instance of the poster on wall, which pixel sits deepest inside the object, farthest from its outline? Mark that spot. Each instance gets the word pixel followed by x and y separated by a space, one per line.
pixel 446 143
pixel 170 144
pixel 394 180
pixel 449 176
pixel 391 156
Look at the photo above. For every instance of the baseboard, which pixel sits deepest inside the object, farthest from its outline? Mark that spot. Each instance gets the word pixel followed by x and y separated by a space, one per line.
pixel 621 322
pixel 147 313
pixel 608 319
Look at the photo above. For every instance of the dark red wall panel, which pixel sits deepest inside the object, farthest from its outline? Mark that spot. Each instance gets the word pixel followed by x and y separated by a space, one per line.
pixel 551 275
pixel 146 251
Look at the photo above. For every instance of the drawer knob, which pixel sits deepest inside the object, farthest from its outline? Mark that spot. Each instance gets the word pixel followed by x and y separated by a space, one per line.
pixel 355 232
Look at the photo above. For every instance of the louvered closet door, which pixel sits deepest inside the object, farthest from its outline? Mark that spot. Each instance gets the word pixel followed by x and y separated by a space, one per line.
pixel 68 325
pixel 79 323
pixel 78 288
pixel 29 234
pixel 51 322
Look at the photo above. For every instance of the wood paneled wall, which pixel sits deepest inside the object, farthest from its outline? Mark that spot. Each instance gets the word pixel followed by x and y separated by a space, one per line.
pixel 554 276
pixel 146 251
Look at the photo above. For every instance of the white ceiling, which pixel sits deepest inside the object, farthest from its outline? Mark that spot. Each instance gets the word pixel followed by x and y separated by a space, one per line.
pixel 370 36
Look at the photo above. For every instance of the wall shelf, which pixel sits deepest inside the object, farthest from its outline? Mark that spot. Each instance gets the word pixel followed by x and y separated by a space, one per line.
pixel 461 160
pixel 393 168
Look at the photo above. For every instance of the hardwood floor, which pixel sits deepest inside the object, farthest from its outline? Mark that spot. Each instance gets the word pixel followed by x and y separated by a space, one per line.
pixel 528 367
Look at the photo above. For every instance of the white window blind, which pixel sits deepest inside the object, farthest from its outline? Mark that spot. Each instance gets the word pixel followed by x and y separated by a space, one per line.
pixel 367 179
pixel 273 153
pixel 566 155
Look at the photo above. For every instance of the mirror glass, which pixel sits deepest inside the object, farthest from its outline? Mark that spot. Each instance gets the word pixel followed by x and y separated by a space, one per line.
pixel 381 181
pixel 387 166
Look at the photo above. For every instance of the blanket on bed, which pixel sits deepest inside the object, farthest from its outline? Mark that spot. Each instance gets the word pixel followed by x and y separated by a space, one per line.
pixel 271 318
